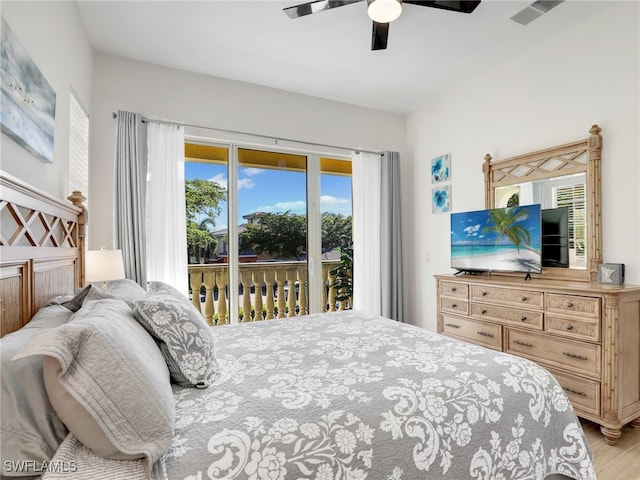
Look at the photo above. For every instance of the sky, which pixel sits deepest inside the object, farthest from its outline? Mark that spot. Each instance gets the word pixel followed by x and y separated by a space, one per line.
pixel 273 191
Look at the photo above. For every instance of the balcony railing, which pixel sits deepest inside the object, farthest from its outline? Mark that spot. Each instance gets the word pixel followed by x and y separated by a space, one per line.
pixel 267 290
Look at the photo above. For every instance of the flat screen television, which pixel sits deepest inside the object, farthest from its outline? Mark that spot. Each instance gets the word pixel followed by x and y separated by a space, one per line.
pixel 555 237
pixel 499 239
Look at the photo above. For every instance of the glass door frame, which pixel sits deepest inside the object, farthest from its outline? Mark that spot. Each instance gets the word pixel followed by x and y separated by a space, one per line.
pixel 314 221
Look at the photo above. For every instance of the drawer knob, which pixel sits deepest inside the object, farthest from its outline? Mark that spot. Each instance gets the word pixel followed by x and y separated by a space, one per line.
pixel 582 394
pixel 524 344
pixel 485 334
pixel 454 289
pixel 484 294
pixel 523 318
pixel 575 355
pixel 524 299
pixel 454 305
pixel 569 305
pixel 483 312
pixel 569 327
pixel 451 325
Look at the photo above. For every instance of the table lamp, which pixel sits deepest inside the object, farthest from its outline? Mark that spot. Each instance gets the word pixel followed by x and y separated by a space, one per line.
pixel 103 266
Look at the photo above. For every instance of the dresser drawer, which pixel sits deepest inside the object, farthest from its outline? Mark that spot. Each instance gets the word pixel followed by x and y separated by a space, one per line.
pixel 584 306
pixel 523 318
pixel 451 289
pixel 454 305
pixel 485 334
pixel 584 394
pixel 575 356
pixel 573 327
pixel 507 296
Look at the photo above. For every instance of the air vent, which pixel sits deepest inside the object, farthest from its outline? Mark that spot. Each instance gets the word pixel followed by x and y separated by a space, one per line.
pixel 535 10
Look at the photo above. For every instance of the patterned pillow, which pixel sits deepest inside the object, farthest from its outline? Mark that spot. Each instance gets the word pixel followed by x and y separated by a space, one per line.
pixel 185 340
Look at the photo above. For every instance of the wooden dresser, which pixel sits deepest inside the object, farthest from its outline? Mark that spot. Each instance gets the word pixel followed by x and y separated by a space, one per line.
pixel 587 335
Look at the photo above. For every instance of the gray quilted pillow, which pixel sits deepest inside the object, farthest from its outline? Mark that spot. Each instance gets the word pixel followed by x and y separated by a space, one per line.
pixel 157 289
pixel 126 290
pixel 185 340
pixel 112 372
pixel 30 430
pixel 123 289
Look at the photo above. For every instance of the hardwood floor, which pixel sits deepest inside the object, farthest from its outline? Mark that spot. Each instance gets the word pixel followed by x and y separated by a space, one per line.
pixel 619 462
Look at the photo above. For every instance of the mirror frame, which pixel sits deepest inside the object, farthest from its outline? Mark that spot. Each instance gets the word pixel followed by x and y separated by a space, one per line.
pixel 582 156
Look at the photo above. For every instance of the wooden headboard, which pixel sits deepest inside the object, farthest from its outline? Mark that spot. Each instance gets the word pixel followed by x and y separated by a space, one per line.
pixel 42 243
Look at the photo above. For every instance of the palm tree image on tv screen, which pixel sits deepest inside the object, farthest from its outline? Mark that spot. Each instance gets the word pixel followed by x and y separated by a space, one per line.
pixel 500 239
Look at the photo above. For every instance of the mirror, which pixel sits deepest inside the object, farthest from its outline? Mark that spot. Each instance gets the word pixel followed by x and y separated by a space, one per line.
pixel 566 179
pixel 567 192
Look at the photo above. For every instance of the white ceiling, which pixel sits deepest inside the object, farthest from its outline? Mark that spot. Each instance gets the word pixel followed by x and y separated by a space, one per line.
pixel 326 54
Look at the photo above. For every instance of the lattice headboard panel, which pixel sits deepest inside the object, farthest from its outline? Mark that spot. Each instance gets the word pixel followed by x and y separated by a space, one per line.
pixel 41 249
pixel 32 228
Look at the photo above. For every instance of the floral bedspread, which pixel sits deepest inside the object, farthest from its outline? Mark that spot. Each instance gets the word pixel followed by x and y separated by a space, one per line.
pixel 351 396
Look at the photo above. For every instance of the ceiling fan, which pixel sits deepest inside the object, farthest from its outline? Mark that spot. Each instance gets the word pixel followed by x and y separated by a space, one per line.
pixel 382 12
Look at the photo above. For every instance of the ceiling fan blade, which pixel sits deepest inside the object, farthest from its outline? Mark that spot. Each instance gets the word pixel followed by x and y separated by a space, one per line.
pixel 379 36
pixel 463 6
pixel 315 7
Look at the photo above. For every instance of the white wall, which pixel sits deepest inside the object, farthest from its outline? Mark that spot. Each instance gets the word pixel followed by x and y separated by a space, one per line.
pixel 53 35
pixel 547 96
pixel 159 92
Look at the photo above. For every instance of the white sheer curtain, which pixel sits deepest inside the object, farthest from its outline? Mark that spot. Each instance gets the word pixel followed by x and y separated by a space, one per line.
pixel 366 232
pixel 166 229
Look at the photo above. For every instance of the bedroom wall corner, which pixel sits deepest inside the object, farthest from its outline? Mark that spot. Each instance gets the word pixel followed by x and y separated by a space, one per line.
pixel 53 35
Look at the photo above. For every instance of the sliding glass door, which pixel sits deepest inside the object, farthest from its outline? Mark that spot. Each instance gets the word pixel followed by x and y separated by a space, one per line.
pixel 272 234
pixel 267 231
pixel 336 231
pixel 207 211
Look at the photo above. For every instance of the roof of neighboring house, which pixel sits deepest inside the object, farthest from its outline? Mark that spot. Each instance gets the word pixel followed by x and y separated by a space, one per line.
pixel 225 231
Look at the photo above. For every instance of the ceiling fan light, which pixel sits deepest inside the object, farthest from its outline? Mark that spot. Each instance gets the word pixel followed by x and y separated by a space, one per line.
pixel 384 11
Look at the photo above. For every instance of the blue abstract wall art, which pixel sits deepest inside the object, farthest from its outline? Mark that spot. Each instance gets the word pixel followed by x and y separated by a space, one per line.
pixel 441 199
pixel 440 169
pixel 28 101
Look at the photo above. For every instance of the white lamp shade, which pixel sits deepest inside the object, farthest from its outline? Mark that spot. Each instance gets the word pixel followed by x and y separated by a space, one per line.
pixel 384 11
pixel 103 265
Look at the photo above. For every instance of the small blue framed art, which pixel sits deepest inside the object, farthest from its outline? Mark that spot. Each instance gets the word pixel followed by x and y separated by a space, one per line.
pixel 441 199
pixel 441 168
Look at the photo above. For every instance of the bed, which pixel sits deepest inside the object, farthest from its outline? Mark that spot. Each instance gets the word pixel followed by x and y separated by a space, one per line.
pixel 344 395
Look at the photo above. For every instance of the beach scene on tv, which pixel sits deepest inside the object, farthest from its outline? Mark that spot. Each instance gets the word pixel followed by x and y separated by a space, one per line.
pixel 500 239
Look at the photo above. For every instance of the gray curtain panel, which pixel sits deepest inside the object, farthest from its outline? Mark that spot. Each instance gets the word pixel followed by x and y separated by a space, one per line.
pixel 391 238
pixel 130 194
